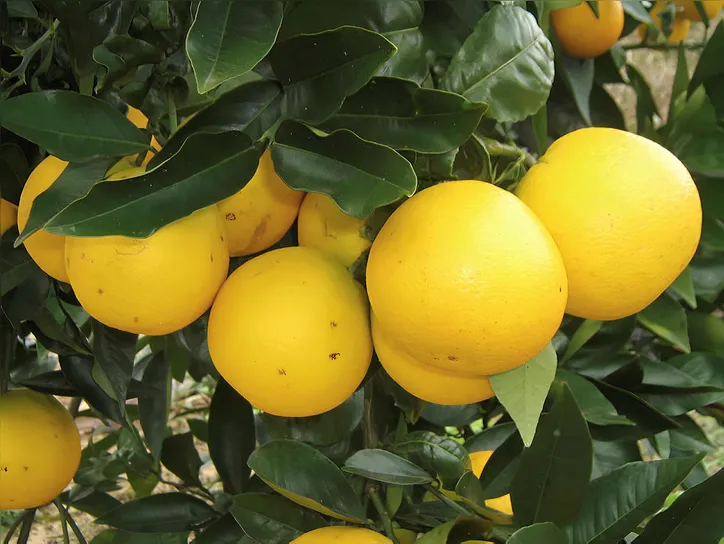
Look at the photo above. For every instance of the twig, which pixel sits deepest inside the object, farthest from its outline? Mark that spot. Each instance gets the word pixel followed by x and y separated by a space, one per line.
pixel 63 520
pixel 28 519
pixel 16 524
pixel 172 116
pixel 452 504
pixel 76 530
pixel 664 46
pixel 382 511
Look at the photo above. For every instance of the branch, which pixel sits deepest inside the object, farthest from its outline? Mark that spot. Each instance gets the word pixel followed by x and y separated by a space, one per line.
pixel 382 511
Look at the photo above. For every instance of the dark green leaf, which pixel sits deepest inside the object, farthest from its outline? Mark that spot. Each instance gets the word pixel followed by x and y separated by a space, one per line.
pixel 706 332
pixel 694 517
pixel 401 114
pixel 539 533
pixel 179 455
pixel 71 126
pixel 153 407
pixel 225 530
pixel 690 438
pixel 523 390
pixel 578 75
pixel 666 318
pixel 491 438
pixel 457 531
pixel 78 370
pixel 601 355
pixel 228 38
pixel 709 67
pixel 359 175
pixel 594 406
pixel 165 513
pixel 608 456
pixel 681 80
pixel 438 455
pixel 15 264
pixel 318 71
pixel 637 10
pixel 286 464
pixel 583 334
pixel 272 519
pixel 513 75
pixel 500 470
pixel 645 104
pixel 207 169
pixel 121 53
pixel 114 352
pixel 617 502
pixel 555 470
pixel 123 537
pixel 456 416
pixel 232 436
pixel 410 62
pixel 383 466
pixel 251 108
pixel 22 8
pixel 683 287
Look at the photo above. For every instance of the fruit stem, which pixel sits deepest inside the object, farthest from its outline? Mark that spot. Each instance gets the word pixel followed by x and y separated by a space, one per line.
pixel 374 496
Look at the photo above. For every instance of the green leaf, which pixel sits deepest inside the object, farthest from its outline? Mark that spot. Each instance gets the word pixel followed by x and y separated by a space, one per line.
pixel 360 176
pixel 689 438
pixel 252 108
pixel 15 264
pixel 539 533
pixel 456 531
pixel 228 38
pixel 513 75
pixel 555 470
pixel 286 464
pixel 583 334
pixel 164 513
pixel 272 519
pixel 22 8
pixel 401 114
pixel 232 436
pixel 498 473
pixel 666 318
pixel 491 438
pixel 153 407
pixel 179 455
pixel 645 104
pixel 669 374
pixel 322 430
pixel 121 53
pixel 383 466
pixel 709 71
pixel 78 370
pixel 207 169
pixel 608 456
pixel 578 75
pixel 224 530
pixel 71 126
pixel 637 10
pixel 114 352
pixel 593 404
pixel 683 287
pixel 523 390
pixel 456 416
pixel 318 71
pixel 681 80
pixel 123 537
pixel 438 455
pixel 617 502
pixel 694 517
pixel 706 332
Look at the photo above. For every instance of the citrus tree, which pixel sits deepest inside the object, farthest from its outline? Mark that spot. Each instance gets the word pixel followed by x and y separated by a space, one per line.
pixel 321 271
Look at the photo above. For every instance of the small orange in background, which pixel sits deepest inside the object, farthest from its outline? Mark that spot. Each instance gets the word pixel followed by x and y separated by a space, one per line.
pixel 711 7
pixel 582 34
pixel 678 28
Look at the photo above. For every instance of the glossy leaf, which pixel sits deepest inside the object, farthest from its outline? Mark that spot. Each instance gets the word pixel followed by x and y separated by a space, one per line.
pixel 120 54
pixel 286 463
pixel 318 71
pixel 15 264
pixel 232 436
pixel 251 108
pixel 71 126
pixel 207 169
pixel 153 407
pixel 666 318
pixel 622 499
pixel 179 455
pixel 165 513
pixel 123 537
pixel 514 76
pixel 78 370
pixel 383 466
pixel 401 114
pixel 539 533
pixel 273 519
pixel 500 470
pixel 224 530
pixel 435 454
pixel 458 416
pixel 228 38
pixel 555 470
pixel 114 352
pixel 523 390
pixel 683 287
pixel 593 404
pixel 608 456
pixel 359 175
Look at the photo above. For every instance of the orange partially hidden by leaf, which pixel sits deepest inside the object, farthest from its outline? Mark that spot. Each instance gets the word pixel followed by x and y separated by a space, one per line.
pixel 582 34
pixel 141 121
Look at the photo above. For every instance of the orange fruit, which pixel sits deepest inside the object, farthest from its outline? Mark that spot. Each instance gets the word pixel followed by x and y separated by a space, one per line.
pixel 582 34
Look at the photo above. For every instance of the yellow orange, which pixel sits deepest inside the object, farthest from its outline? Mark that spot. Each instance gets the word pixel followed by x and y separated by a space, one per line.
pixel 678 30
pixel 8 215
pixel 342 535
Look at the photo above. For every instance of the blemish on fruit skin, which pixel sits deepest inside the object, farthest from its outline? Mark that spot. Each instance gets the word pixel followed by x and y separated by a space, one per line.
pixel 229 217
pixel 281 372
pixel 100 291
pixel 333 324
pixel 82 255
pixel 452 358
pixel 135 319
pixel 26 469
pixel 334 356
pixel 212 257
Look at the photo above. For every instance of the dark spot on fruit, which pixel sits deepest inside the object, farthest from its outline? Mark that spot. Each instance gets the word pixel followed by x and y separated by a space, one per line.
pixel 82 255
pixel 333 324
pixel 56 436
pixel 230 217
pixel 212 257
pixel 334 356
pixel 560 289
pixel 452 358
pixel 100 291
pixel 5 469
pixel 26 469
pixel 281 372
pixel 222 238
pixel 135 320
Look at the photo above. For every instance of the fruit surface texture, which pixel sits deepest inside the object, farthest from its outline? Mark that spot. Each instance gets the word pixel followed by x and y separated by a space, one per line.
pixel 342 535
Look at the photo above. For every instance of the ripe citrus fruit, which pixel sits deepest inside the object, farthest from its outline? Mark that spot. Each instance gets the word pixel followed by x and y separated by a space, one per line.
pixel 8 215
pixel 341 535
pixel 582 34
pixel 46 249
pixel 711 7
pixel 324 226
pixel 677 30
pixel 39 449
pixel 463 278
pixel 155 285
pixel 624 213
pixel 141 121
pixel 290 332
pixel 261 213
pixel 479 459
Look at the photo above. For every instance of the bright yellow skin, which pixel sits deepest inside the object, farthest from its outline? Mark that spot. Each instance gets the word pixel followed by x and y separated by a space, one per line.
pixel 463 277
pixel 322 225
pixel 39 449
pixel 290 332
pixel 502 504
pixel 712 8
pixel 583 35
pixel 341 535
pixel 8 215
pixel 624 212
pixel 680 28
pixel 46 249
pixel 155 285
pixel 141 121
pixel 259 215
pixel 427 382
